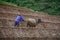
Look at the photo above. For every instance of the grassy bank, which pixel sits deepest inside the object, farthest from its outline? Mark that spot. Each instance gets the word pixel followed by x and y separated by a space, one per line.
pixel 52 7
pixel 7 3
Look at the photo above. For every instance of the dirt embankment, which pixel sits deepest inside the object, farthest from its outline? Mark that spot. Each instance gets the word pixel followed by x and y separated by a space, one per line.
pixel 48 28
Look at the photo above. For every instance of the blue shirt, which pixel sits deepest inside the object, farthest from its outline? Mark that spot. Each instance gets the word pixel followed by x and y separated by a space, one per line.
pixel 18 19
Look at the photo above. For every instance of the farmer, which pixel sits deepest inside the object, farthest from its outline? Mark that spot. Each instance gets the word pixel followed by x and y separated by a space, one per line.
pixel 18 19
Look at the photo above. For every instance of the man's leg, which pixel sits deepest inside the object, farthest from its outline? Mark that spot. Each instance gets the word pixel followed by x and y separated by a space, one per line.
pixel 16 23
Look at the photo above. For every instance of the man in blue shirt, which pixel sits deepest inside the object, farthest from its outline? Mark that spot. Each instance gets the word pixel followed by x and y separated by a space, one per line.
pixel 18 19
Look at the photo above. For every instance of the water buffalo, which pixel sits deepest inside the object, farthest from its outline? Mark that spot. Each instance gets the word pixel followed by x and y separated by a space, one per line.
pixel 31 22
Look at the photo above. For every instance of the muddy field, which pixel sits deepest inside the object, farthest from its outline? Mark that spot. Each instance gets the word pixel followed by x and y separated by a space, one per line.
pixel 48 29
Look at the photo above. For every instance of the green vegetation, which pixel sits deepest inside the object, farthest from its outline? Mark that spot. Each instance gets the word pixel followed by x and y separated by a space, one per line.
pixel 51 7
pixel 7 3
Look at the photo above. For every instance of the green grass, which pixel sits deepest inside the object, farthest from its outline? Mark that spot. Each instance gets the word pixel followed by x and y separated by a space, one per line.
pixel 7 3
pixel 52 8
